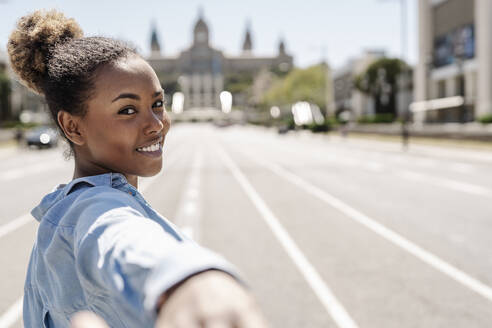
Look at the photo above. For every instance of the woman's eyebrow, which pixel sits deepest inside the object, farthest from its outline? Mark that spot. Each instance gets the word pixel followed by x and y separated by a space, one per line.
pixel 158 93
pixel 134 96
pixel 127 95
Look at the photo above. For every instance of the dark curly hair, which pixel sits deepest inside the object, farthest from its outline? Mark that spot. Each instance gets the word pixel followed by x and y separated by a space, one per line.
pixel 50 55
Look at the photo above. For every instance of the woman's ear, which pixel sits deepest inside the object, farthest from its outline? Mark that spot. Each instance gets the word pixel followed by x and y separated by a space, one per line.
pixel 71 127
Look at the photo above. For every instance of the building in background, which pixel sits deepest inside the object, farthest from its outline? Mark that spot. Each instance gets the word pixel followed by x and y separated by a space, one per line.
pixel 21 99
pixel 454 66
pixel 202 72
pixel 347 97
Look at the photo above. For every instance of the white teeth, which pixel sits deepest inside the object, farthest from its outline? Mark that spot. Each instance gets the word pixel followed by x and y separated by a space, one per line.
pixel 153 147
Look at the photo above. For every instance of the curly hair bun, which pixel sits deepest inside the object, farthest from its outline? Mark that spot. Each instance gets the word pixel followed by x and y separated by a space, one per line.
pixel 32 41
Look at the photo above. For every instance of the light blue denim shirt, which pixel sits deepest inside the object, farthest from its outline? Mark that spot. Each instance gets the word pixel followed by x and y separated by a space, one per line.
pixel 101 247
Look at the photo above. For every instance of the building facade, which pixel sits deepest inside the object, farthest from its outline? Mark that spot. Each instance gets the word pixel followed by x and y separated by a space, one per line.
pixel 347 97
pixel 201 71
pixel 454 60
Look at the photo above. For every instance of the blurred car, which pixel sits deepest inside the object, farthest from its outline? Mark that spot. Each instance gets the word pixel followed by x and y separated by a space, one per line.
pixel 283 129
pixel 42 137
pixel 223 123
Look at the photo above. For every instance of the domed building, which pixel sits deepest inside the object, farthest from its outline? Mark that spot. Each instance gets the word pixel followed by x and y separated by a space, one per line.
pixel 201 72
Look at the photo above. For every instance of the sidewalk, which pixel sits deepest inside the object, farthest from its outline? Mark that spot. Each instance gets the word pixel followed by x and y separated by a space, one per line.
pixel 462 131
pixel 450 149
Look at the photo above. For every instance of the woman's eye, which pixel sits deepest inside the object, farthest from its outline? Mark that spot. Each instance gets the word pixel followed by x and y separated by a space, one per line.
pixel 127 111
pixel 158 103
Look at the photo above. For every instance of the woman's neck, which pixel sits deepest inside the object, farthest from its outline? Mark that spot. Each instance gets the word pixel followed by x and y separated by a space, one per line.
pixel 83 169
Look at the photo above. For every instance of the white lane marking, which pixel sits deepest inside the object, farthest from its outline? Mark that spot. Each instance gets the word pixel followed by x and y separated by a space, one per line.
pixel 325 295
pixel 426 163
pixel 27 218
pixel 374 166
pixel 29 170
pixel 15 311
pixel 15 224
pixel 29 157
pixel 12 315
pixel 427 257
pixel 378 167
pixel 8 151
pixel 462 168
pixel 188 214
pixel 447 183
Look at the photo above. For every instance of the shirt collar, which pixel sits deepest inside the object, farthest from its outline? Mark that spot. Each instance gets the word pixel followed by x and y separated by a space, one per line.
pixel 107 179
pixel 113 180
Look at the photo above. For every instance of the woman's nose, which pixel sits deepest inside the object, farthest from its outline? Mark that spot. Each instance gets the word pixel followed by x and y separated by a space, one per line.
pixel 154 123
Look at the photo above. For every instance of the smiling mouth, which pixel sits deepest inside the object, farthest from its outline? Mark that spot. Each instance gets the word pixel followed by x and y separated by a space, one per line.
pixel 154 149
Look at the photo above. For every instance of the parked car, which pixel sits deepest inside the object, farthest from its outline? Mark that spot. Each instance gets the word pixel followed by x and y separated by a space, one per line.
pixel 42 137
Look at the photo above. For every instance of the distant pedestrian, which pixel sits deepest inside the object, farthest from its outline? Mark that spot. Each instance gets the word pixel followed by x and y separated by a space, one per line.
pixel 405 132
pixel 19 136
pixel 344 119
pixel 100 246
pixel 405 135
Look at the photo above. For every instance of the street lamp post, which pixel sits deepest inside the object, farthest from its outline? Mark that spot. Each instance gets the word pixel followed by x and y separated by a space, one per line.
pixel 405 133
pixel 459 54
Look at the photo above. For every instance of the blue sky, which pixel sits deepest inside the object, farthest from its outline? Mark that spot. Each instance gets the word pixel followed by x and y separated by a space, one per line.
pixel 336 29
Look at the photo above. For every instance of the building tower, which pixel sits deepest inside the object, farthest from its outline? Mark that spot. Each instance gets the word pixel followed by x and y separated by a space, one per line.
pixel 200 32
pixel 155 47
pixel 202 72
pixel 281 47
pixel 247 43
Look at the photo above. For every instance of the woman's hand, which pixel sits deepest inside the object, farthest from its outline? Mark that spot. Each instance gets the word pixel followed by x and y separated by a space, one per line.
pixel 210 299
pixel 86 319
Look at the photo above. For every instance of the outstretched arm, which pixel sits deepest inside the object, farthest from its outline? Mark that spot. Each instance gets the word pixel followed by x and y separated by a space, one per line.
pixel 208 299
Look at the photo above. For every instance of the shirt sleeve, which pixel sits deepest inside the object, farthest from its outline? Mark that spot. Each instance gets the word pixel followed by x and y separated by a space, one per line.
pixel 120 252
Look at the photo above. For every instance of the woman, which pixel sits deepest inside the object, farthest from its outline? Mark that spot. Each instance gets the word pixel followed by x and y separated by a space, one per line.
pixel 100 246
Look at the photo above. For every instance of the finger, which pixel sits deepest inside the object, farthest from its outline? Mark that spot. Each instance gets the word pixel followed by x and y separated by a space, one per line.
pixel 218 324
pixel 252 320
pixel 86 319
pixel 181 319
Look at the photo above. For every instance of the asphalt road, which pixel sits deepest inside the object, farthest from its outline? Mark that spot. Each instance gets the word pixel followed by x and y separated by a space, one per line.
pixel 327 232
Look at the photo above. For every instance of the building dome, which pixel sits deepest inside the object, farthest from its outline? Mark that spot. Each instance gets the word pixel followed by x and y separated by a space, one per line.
pixel 200 32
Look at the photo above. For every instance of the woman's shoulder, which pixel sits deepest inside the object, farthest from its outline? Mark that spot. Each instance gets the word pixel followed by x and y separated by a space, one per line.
pixel 88 197
pixel 103 190
pixel 89 204
pixel 106 197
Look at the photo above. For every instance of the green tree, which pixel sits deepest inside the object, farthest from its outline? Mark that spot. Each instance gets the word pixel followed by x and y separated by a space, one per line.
pixel 299 85
pixel 379 81
pixel 238 82
pixel 5 113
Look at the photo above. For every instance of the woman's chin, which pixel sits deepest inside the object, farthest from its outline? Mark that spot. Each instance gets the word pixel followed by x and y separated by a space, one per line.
pixel 151 172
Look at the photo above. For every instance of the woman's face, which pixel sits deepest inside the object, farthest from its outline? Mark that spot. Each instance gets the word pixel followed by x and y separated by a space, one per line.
pixel 126 123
